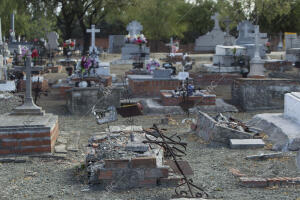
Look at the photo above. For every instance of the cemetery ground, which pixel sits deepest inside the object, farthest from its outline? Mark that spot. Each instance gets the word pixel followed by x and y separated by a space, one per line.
pixel 63 176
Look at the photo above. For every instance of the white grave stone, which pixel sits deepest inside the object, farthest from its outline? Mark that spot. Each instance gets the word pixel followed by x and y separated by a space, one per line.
pixel 52 40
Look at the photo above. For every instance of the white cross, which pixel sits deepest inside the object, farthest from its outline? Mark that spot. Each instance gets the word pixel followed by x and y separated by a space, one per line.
pixel 93 31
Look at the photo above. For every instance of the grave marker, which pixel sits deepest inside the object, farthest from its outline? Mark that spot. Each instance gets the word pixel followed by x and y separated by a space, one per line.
pixel 93 32
pixel 28 108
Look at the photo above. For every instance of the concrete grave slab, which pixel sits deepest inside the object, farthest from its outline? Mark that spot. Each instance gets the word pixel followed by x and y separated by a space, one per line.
pixel 246 143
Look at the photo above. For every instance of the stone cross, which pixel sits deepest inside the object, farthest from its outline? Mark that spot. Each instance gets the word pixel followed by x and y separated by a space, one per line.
pixel 1 41
pixel 280 44
pixel 12 27
pixel 171 44
pixel 93 32
pixel 28 108
pixel 257 35
pixel 134 28
pixel 215 17
pixel 227 41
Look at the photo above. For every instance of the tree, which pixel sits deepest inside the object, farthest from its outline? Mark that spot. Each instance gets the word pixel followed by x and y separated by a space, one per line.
pixel 90 12
pixel 198 18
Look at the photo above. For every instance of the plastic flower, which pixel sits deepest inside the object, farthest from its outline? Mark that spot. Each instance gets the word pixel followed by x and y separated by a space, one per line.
pixel 35 53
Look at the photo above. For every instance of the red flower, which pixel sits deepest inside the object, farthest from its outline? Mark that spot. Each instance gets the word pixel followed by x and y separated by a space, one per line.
pixel 72 44
pixel 35 54
pixel 65 45
pixel 139 41
pixel 35 39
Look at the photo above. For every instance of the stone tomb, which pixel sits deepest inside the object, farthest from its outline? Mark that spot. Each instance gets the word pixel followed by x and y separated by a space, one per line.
pixel 283 129
pixel 27 129
pixel 121 160
pixel 226 59
pixel 208 42
pixel 252 94
pixel 80 101
pixel 151 85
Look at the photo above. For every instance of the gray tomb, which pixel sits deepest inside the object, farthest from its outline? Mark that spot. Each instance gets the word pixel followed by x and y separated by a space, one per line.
pixel 131 51
pixel 209 41
pixel 246 39
pixel 116 42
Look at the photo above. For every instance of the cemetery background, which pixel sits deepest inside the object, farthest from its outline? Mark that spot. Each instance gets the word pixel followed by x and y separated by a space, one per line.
pixel 62 177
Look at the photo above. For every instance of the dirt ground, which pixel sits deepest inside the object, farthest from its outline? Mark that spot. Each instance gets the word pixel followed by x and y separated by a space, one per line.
pixel 64 178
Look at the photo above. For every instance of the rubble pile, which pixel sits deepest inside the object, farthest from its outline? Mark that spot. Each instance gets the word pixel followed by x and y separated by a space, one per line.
pixel 230 122
pixel 120 160
pixel 8 102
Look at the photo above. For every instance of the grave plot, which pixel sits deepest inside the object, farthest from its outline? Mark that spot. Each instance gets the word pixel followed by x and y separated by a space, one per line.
pixel 130 157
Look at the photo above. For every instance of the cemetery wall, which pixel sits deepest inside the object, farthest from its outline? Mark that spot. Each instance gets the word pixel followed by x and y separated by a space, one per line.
pixel 262 94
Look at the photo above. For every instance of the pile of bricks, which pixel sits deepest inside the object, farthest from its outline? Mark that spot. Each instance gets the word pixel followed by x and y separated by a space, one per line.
pixel 168 99
pixel 258 182
pixel 117 162
pixel 255 182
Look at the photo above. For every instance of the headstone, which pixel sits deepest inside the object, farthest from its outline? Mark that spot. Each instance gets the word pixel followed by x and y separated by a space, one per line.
pixel 246 38
pixel 257 64
pixel 1 41
pixel 162 73
pixel 291 41
pixel 280 44
pixel 133 51
pixel 116 42
pixel 28 108
pixel 12 28
pixel 52 40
